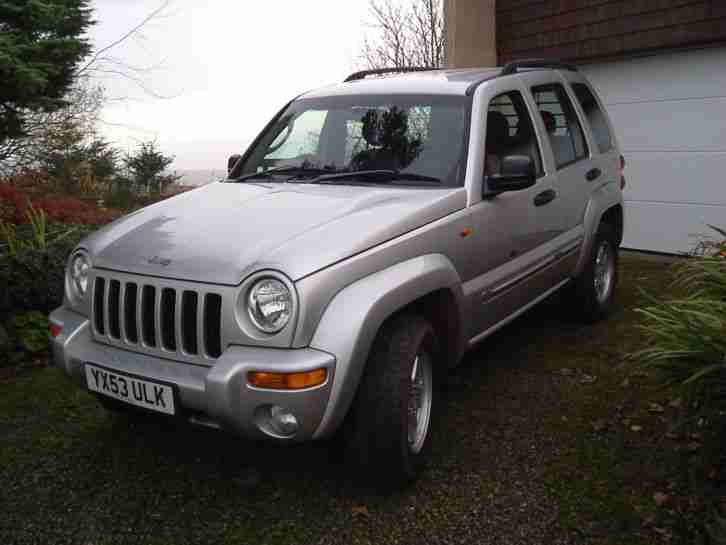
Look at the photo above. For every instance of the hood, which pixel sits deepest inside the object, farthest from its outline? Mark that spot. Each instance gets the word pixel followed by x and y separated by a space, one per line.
pixel 222 232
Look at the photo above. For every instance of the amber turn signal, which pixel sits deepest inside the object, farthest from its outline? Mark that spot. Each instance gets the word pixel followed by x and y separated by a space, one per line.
pixel 287 381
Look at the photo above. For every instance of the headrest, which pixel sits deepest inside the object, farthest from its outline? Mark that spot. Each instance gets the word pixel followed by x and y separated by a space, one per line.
pixel 497 130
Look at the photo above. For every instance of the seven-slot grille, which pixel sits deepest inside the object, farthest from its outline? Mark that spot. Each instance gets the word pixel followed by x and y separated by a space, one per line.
pixel 163 319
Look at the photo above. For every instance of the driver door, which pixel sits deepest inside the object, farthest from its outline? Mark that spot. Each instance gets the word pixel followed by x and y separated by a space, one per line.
pixel 512 229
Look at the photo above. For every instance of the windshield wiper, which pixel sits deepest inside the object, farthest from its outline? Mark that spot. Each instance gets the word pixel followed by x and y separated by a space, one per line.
pixel 376 176
pixel 297 171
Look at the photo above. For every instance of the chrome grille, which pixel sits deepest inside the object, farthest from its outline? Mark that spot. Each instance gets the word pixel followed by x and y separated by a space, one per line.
pixel 167 318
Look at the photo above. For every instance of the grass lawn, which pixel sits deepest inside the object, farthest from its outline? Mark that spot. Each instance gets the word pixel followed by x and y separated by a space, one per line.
pixel 549 437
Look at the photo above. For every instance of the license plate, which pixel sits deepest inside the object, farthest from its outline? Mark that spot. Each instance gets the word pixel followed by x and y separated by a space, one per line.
pixel 142 393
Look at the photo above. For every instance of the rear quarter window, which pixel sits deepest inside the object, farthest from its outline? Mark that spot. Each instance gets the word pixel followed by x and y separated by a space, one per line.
pixel 595 117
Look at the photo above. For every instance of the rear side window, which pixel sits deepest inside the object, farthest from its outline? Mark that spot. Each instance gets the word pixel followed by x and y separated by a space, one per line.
pixel 595 117
pixel 560 120
pixel 510 131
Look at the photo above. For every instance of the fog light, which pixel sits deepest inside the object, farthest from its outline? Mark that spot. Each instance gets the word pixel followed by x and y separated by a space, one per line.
pixel 276 421
pixel 283 421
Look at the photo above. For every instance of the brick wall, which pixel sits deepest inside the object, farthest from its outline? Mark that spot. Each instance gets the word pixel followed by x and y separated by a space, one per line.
pixel 593 29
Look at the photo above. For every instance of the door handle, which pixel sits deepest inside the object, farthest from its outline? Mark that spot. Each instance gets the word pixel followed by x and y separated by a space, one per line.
pixel 593 174
pixel 545 197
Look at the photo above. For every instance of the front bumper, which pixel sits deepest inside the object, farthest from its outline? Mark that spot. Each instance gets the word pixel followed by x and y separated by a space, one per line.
pixel 217 396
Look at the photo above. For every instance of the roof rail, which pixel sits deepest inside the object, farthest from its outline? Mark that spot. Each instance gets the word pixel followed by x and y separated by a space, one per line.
pixel 536 64
pixel 380 71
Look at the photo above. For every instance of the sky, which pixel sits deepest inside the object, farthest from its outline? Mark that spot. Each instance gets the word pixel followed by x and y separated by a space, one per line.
pixel 218 70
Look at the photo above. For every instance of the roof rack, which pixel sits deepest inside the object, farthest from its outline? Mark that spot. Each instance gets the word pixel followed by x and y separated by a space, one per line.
pixel 380 71
pixel 536 64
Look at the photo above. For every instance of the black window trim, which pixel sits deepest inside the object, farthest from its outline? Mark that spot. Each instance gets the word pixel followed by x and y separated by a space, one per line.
pixel 531 106
pixel 588 152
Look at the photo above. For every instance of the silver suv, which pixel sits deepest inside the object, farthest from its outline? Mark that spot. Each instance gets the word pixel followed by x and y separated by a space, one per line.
pixel 372 233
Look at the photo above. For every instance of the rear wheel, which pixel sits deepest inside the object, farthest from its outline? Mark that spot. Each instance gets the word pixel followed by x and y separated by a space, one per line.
pixel 393 414
pixel 593 291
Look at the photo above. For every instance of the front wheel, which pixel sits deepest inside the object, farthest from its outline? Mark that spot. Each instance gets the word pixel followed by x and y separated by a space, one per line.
pixel 394 409
pixel 593 291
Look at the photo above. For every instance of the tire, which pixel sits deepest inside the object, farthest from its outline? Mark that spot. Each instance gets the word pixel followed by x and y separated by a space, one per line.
pixel 379 442
pixel 593 292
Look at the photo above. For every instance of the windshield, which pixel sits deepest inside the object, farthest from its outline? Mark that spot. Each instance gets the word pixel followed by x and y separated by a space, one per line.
pixel 421 137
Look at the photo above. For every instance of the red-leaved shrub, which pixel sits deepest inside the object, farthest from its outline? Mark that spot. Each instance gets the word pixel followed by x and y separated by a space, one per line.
pixel 57 208
pixel 34 187
pixel 64 209
pixel 32 182
pixel 12 204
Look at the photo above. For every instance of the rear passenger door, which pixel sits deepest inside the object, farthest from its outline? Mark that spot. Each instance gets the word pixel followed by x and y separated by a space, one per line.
pixel 570 152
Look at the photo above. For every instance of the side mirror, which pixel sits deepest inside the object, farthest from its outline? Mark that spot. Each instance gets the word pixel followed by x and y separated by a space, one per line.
pixel 232 161
pixel 517 172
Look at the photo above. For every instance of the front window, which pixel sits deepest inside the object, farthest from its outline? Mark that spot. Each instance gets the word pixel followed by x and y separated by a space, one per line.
pixel 414 138
pixel 510 132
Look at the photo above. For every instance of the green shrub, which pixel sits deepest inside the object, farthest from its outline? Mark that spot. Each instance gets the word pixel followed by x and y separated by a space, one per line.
pixel 32 267
pixel 31 331
pixel 121 198
pixel 32 273
pixel 687 336
pixel 688 346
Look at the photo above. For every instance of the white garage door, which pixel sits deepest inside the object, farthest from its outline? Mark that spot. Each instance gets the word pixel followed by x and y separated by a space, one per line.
pixel 669 113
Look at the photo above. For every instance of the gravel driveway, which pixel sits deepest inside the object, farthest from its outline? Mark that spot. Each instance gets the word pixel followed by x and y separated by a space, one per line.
pixel 519 458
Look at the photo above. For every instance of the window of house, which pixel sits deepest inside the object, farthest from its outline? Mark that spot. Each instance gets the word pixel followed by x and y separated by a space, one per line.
pixel 510 131
pixel 595 117
pixel 563 128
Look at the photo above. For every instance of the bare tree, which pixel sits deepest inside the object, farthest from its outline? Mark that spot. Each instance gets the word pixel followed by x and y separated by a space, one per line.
pixel 409 33
pixel 47 133
pixel 104 63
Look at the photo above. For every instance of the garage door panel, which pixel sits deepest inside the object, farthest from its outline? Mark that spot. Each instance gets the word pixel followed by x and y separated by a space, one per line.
pixel 661 77
pixel 669 115
pixel 669 228
pixel 693 125
pixel 696 178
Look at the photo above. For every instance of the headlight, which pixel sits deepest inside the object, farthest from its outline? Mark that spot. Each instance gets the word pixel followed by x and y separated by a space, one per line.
pixel 77 275
pixel 269 304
